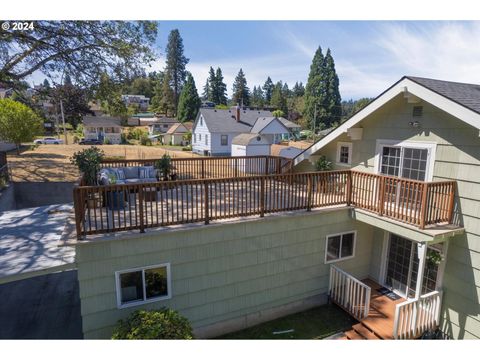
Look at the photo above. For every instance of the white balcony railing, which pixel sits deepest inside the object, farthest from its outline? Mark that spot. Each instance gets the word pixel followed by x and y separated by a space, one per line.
pixel 413 317
pixel 349 292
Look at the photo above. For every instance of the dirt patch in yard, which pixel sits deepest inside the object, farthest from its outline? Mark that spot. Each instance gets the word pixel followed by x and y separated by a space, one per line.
pixel 52 162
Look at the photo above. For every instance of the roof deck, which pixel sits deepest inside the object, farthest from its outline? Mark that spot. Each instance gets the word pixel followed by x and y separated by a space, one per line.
pixel 259 186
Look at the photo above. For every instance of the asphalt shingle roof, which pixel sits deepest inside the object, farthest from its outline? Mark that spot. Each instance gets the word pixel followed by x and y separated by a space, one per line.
pixel 467 95
pixel 224 120
pixel 105 121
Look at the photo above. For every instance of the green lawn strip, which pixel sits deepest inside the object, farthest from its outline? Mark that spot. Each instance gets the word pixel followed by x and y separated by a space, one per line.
pixel 316 323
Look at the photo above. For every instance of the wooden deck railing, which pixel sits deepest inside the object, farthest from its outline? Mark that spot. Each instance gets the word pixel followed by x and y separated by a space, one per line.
pixel 349 293
pixel 101 209
pixel 414 317
pixel 216 167
pixel 4 176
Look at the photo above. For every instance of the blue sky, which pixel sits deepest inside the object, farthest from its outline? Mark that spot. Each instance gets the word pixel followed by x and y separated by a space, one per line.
pixel 369 55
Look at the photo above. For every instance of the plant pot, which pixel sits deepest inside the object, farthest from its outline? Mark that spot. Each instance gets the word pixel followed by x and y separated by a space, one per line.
pixel 94 201
pixel 116 200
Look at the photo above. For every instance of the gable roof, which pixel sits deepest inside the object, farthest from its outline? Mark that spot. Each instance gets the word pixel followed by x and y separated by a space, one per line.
pixel 263 122
pixel 177 128
pixel 218 121
pixel 246 138
pixel 289 124
pixel 105 121
pixel 464 94
pixel 458 99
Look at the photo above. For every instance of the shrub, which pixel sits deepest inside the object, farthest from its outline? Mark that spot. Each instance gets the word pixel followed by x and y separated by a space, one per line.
pixel 164 166
pixel 154 324
pixel 322 164
pixel 88 162
pixel 107 141
pixel 144 140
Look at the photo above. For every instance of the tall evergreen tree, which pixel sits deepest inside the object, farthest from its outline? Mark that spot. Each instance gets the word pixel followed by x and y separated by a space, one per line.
pixel 241 92
pixel 315 91
pixel 220 89
pixel 278 100
pixel 206 94
pixel 257 96
pixel 167 102
pixel 189 101
pixel 267 90
pixel 212 84
pixel 333 98
pixel 176 63
pixel 298 89
pixel 157 92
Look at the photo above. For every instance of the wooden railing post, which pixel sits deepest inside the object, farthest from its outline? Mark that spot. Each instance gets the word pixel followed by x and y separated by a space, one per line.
pixel 451 202
pixel 203 169
pixel 235 167
pixel 349 188
pixel 381 195
pixel 309 192
pixel 140 208
pixel 207 201
pixel 262 196
pixel 267 161
pixel 278 166
pixel 77 205
pixel 423 208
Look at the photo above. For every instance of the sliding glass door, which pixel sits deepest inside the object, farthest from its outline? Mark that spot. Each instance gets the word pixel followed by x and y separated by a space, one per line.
pixel 402 267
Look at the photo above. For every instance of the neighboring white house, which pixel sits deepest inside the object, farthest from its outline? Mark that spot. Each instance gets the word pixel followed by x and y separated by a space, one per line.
pixel 103 128
pixel 175 135
pixel 161 125
pixel 139 100
pixel 250 145
pixel 214 129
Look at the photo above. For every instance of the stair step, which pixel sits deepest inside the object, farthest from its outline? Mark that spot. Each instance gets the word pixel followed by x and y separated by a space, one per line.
pixel 353 335
pixel 366 333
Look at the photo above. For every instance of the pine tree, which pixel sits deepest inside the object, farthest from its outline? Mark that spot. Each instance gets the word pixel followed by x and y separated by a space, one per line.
pixel 176 63
pixel 315 91
pixel 257 96
pixel 157 92
pixel 268 89
pixel 278 100
pixel 220 88
pixel 333 98
pixel 212 83
pixel 241 92
pixel 206 94
pixel 298 89
pixel 46 84
pixel 286 91
pixel 167 102
pixel 189 101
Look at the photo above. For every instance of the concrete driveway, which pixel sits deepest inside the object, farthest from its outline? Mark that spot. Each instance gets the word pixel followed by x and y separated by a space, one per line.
pixel 41 307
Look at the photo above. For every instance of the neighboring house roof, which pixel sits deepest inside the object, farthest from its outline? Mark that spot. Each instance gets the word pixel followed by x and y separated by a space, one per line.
pixel 458 99
pixel 102 121
pixel 188 125
pixel 143 115
pixel 289 124
pixel 177 129
pixel 164 120
pixel 223 121
pixel 249 139
pixel 263 122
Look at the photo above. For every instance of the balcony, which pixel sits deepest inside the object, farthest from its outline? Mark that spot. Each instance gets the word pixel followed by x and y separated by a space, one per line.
pixel 209 189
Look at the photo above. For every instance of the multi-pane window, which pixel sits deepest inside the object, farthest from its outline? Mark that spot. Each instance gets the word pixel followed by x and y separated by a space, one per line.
pixel 143 285
pixel 206 139
pixel 344 153
pixel 340 246
pixel 406 162
pixel 224 140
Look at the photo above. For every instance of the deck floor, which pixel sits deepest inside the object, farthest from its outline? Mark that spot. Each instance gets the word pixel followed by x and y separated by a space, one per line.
pixel 382 311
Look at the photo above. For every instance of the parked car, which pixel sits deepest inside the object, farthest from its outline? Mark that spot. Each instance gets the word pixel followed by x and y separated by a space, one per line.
pixel 48 140
pixel 90 142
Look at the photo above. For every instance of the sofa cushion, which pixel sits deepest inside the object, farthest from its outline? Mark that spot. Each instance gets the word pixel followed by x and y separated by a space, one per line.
pixel 145 172
pixel 131 172
pixel 138 181
pixel 104 176
pixel 120 173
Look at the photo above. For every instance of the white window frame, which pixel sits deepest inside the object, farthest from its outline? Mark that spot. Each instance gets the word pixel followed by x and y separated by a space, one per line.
pixel 354 232
pixel 206 139
pixel 199 137
pixel 430 146
pixel 145 300
pixel 350 148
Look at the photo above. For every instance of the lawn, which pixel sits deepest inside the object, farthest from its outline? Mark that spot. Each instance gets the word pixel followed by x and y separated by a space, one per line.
pixel 316 323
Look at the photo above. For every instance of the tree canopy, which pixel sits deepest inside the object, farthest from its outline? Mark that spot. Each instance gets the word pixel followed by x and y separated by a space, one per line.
pixel 241 92
pixel 18 123
pixel 83 49
pixel 189 101
pixel 176 62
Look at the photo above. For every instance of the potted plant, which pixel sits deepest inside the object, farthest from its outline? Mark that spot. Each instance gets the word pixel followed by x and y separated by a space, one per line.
pixel 164 167
pixel 88 163
pixel 115 198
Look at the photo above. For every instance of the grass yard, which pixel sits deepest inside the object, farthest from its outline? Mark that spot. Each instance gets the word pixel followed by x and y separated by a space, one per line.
pixel 316 323
pixel 52 162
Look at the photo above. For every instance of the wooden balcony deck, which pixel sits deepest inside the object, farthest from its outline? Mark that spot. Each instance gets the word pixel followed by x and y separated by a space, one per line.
pixel 111 208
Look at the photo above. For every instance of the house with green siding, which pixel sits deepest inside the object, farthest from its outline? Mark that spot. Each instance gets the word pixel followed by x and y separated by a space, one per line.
pixel 393 229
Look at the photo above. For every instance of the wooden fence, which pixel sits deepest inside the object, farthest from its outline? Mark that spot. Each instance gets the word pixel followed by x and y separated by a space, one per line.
pixel 101 209
pixel 216 167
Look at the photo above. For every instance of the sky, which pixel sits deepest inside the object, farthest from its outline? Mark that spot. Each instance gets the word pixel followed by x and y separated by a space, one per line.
pixel 369 55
